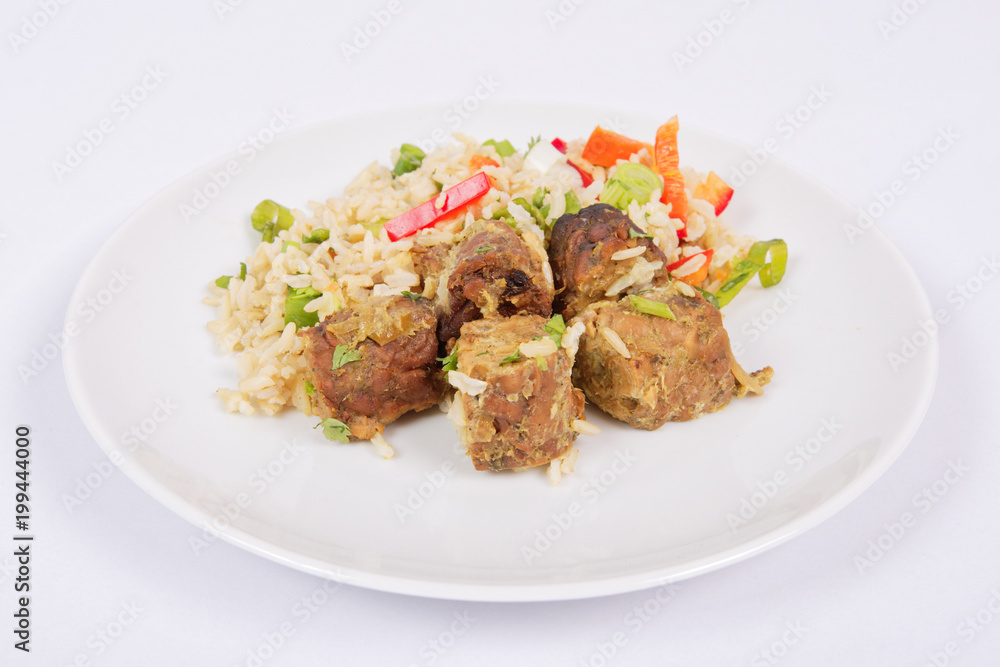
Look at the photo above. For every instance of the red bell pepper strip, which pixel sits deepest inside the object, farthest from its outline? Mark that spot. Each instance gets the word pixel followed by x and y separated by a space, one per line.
pixel 428 213
pixel 668 166
pixel 561 146
pixel 715 191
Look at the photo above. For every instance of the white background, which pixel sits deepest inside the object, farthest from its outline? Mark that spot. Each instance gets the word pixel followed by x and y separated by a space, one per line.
pixel 891 92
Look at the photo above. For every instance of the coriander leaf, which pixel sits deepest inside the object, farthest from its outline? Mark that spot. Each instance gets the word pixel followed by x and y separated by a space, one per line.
pixel 450 363
pixel 411 296
pixel 556 327
pixel 343 355
pixel 632 234
pixel 310 388
pixel 334 429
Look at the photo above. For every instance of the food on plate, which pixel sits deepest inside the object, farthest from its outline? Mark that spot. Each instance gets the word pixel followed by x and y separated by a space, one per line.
pixel 658 356
pixel 433 279
pixel 598 253
pixel 515 405
pixel 371 363
pixel 492 272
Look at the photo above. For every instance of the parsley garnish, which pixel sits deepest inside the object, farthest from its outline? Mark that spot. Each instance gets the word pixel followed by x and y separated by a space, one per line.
pixel 343 355
pixel 334 429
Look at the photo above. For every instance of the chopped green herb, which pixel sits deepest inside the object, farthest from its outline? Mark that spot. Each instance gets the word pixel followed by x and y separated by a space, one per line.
pixel 556 327
pixel 410 158
pixel 542 364
pixel 503 148
pixel 482 354
pixel 289 244
pixel 411 296
pixel 295 304
pixel 632 234
pixel 533 141
pixel 483 249
pixel 334 429
pixel 573 205
pixel 500 214
pixel 343 355
pixel 269 218
pixel 651 307
pixel 512 358
pixel 631 182
pixel 223 281
pixel 310 388
pixel 317 235
pixel 450 363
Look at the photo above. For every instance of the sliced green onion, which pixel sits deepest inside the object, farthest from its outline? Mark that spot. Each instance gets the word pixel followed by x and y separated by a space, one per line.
pixel 374 226
pixel 542 364
pixel 631 182
pixel 651 307
pixel 295 304
pixel 708 297
pixel 410 158
pixel 483 249
pixel 739 276
pixel 450 363
pixel 334 429
pixel 289 244
pixel 411 296
pixel 317 235
pixel 532 209
pixel 269 218
pixel 243 271
pixel 556 327
pixel 573 205
pixel 343 355
pixel 482 354
pixel 512 358
pixel 223 281
pixel 539 197
pixel 771 272
pixel 310 388
pixel 503 148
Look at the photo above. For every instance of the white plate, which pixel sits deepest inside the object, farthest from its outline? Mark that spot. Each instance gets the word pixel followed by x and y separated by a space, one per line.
pixel 640 510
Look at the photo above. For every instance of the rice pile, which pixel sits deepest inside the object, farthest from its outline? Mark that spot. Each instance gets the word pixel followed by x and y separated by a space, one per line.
pixel 358 261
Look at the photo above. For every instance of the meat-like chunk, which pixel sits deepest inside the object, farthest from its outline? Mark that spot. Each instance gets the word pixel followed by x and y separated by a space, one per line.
pixel 581 250
pixel 386 361
pixel 493 272
pixel 675 370
pixel 524 415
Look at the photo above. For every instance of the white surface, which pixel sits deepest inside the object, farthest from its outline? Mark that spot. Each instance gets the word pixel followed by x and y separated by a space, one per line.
pixel 713 491
pixel 888 99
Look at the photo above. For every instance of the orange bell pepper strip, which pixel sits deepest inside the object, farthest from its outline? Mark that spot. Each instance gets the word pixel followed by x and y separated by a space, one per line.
pixel 698 276
pixel 477 162
pixel 668 167
pixel 604 148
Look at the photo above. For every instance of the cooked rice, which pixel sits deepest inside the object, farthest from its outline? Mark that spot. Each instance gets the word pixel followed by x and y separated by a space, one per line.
pixel 358 261
pixel 616 342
